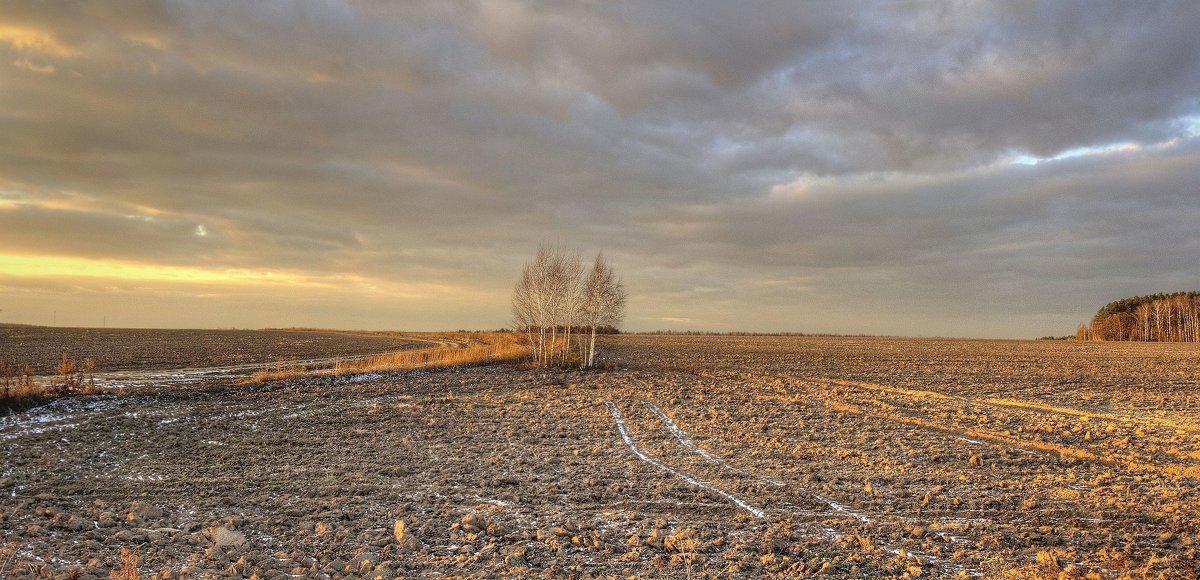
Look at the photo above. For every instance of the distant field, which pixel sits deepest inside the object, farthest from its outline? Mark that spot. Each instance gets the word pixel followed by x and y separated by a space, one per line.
pixel 137 349
pixel 693 457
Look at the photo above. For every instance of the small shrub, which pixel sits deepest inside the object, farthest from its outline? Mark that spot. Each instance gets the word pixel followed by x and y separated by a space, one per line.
pixel 72 377
pixel 18 388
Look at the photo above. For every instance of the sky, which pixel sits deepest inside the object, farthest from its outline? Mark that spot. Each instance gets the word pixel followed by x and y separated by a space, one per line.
pixel 984 169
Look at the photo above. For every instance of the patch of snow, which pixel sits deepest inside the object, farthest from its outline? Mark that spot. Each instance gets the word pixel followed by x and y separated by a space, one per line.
pixel 56 411
pixel 620 421
pixel 681 436
pixel 841 508
pixel 37 430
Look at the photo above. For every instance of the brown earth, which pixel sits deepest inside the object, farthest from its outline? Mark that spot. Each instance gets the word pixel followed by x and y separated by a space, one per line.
pixel 705 456
pixel 115 349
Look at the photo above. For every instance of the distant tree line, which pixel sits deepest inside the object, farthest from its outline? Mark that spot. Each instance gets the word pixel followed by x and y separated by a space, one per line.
pixel 557 299
pixel 1157 318
pixel 752 333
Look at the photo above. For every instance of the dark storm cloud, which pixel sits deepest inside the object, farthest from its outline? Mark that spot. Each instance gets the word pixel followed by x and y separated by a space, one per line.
pixel 799 157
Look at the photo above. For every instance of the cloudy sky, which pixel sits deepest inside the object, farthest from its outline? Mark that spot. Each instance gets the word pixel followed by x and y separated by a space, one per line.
pixel 921 168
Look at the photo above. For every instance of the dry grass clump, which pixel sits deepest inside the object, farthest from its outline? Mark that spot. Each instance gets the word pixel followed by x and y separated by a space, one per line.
pixel 278 371
pixel 7 553
pixel 17 381
pixel 683 545
pixel 468 349
pixel 19 386
pixel 72 377
pixel 129 566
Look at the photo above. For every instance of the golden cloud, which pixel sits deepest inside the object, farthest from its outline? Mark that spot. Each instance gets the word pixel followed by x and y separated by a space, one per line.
pixel 26 39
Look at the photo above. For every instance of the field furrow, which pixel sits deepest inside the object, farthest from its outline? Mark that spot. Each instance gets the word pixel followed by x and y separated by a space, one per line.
pixel 709 456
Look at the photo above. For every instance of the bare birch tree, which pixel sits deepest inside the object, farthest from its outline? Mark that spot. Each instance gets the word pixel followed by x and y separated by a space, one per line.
pixel 1158 317
pixel 525 310
pixel 565 272
pixel 602 304
pixel 531 303
pixel 553 299
pixel 544 303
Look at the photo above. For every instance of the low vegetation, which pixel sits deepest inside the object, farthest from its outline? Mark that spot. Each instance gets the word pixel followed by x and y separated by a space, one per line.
pixel 20 387
pixel 458 349
pixel 17 381
pixel 72 377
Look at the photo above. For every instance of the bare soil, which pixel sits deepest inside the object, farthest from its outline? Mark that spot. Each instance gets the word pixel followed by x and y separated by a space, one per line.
pixel 115 349
pixel 693 456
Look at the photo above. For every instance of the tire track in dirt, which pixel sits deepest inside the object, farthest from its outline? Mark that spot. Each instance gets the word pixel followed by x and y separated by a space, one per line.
pixel 632 445
pixel 1001 439
pixel 974 435
pixel 1011 404
pixel 783 395
pixel 682 437
pixel 990 437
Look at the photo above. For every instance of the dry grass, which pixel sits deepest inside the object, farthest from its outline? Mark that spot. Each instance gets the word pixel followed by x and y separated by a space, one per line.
pixel 278 371
pixel 16 381
pixel 129 566
pixel 74 377
pixel 19 387
pixel 435 357
pixel 70 377
pixel 7 553
pixel 468 349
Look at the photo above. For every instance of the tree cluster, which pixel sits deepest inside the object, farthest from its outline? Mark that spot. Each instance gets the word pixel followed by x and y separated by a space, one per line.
pixel 557 299
pixel 1157 317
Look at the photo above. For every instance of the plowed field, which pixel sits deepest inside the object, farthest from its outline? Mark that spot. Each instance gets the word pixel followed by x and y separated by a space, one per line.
pixel 693 456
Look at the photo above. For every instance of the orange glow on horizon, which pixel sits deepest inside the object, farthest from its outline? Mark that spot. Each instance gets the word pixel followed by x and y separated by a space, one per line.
pixel 27 266
pixel 67 267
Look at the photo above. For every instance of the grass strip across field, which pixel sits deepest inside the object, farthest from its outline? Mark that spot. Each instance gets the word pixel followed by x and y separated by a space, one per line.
pixel 493 349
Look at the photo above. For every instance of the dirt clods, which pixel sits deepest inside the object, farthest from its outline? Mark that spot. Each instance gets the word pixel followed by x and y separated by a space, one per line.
pixel 862 458
pixel 143 512
pixel 222 537
pixel 404 538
